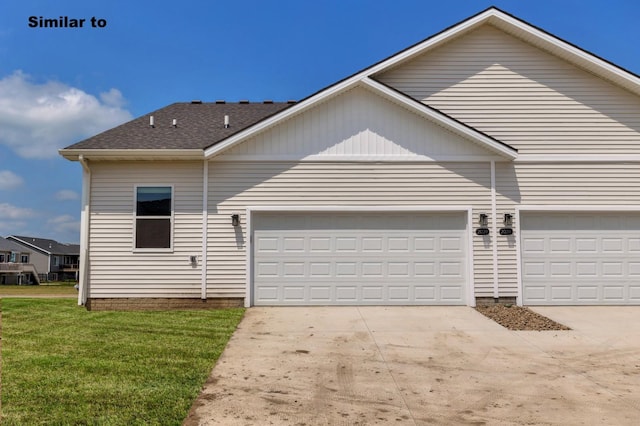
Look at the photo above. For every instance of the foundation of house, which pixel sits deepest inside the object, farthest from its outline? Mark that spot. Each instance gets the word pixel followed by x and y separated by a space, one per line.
pixel 161 304
pixel 484 301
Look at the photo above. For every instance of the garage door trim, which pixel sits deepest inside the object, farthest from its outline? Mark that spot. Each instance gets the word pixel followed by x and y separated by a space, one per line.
pixel 249 299
pixel 555 208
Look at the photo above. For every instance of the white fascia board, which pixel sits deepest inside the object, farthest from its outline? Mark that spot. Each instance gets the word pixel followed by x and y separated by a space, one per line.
pixel 344 85
pixel 132 154
pixel 334 158
pixel 442 119
pixel 281 116
pixel 33 246
pixel 579 57
pixel 351 208
pixel 578 158
pixel 431 42
pixel 576 208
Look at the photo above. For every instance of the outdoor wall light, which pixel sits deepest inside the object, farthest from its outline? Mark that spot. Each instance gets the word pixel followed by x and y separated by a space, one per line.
pixel 235 219
pixel 483 220
pixel 508 219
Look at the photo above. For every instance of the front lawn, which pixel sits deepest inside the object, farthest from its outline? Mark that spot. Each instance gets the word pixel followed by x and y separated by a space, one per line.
pixel 64 365
pixel 57 289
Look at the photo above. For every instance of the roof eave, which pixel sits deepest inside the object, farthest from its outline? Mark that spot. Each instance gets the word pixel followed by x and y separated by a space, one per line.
pixel 132 154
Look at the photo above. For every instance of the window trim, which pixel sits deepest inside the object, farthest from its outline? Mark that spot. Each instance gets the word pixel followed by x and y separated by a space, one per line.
pixel 23 257
pixel 169 249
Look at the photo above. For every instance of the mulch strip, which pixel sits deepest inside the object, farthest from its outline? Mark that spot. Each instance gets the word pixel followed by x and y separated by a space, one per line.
pixel 519 318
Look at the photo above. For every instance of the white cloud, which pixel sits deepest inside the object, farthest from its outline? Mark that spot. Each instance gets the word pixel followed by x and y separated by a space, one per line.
pixel 11 212
pixel 9 180
pixel 64 224
pixel 66 194
pixel 38 119
pixel 12 227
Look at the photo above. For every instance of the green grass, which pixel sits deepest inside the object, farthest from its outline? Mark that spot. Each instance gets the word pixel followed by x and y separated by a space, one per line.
pixel 50 289
pixel 63 365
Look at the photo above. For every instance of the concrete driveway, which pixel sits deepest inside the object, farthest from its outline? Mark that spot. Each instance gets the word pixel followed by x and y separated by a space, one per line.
pixel 424 365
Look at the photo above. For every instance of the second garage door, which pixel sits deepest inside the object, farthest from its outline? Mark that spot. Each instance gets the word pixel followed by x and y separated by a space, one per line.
pixel 580 258
pixel 359 258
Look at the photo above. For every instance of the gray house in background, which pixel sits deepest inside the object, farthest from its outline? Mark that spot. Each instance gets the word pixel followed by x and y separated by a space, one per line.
pixel 54 261
pixel 15 266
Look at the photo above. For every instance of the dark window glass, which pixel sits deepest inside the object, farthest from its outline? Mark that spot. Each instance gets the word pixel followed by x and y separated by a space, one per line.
pixel 153 217
pixel 153 233
pixel 153 201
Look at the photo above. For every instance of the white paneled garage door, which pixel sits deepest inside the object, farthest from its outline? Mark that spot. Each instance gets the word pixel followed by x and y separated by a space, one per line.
pixel 580 258
pixel 330 258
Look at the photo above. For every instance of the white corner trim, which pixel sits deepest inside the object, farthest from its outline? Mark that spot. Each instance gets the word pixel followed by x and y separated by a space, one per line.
pixel 85 229
pixel 519 298
pixel 471 290
pixel 494 231
pixel 205 228
pixel 248 299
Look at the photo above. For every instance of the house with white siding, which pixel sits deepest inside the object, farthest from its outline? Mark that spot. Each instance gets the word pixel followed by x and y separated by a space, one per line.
pixel 490 162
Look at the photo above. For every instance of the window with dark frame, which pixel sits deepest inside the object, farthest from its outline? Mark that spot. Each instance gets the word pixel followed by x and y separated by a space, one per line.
pixel 24 258
pixel 153 217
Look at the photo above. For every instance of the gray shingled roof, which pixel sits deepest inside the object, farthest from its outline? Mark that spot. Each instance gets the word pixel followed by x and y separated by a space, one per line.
pixel 8 245
pixel 199 125
pixel 46 245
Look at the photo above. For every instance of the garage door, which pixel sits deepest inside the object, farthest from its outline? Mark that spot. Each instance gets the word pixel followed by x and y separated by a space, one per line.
pixel 580 259
pixel 359 259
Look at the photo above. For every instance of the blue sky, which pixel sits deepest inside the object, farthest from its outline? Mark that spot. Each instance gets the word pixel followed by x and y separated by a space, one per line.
pixel 59 86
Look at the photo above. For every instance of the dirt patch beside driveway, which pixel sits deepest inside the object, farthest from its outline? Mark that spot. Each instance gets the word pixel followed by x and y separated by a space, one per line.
pixel 424 365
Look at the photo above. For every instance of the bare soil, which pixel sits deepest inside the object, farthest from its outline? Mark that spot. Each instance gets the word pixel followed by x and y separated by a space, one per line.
pixel 519 318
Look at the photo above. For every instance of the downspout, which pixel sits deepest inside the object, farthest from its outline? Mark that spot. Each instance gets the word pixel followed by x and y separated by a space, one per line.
pixel 205 226
pixel 83 279
pixel 494 233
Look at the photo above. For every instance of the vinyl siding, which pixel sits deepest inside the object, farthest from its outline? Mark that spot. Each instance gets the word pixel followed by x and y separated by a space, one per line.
pixel 599 184
pixel 117 271
pixel 358 123
pixel 523 96
pixel 235 185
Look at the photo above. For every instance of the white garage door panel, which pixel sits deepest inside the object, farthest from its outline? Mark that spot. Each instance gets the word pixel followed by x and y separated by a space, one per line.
pixel 359 258
pixel 580 258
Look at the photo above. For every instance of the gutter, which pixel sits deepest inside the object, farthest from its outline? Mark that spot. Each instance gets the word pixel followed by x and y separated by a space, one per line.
pixel 83 279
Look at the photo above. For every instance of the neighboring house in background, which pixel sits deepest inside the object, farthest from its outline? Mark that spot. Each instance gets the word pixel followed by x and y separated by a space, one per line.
pixel 15 264
pixel 490 162
pixel 54 261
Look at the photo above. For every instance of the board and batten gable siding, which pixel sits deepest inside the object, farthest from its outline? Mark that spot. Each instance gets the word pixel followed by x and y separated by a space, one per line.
pixel 521 95
pixel 116 270
pixel 234 185
pixel 358 124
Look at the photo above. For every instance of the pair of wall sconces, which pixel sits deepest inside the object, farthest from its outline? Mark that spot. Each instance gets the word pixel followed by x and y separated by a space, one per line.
pixel 484 220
